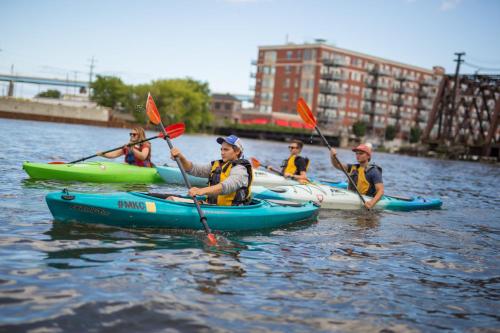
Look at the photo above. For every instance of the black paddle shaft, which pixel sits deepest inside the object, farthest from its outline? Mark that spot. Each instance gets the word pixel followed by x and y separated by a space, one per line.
pixel 203 218
pixel 109 151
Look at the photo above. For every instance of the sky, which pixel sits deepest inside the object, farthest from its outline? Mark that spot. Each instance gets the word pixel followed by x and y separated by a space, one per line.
pixel 215 40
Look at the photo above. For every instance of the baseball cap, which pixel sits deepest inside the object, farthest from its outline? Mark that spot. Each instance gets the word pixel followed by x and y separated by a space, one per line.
pixel 232 140
pixel 364 148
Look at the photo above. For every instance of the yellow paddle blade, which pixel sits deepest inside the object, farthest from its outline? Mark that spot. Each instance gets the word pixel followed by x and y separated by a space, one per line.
pixel 305 112
pixel 152 111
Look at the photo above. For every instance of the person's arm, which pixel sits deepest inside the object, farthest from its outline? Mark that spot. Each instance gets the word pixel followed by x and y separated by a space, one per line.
pixel 141 155
pixel 209 190
pixel 112 154
pixel 375 177
pixel 238 178
pixel 335 163
pixel 379 188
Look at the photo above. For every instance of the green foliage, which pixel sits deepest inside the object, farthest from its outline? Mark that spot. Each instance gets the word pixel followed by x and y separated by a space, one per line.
pixel 108 91
pixel 177 100
pixel 390 132
pixel 359 129
pixel 51 93
pixel 415 134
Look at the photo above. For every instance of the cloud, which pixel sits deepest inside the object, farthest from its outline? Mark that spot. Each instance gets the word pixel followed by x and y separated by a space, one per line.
pixel 447 5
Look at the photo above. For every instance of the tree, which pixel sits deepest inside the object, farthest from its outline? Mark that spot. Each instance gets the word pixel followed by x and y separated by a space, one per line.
pixel 183 100
pixel 51 93
pixel 415 134
pixel 390 132
pixel 359 129
pixel 108 91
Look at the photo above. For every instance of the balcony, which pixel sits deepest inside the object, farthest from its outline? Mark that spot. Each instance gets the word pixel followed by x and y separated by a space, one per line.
pixel 408 90
pixel 397 101
pixel 380 111
pixel 331 90
pixel 431 82
pixel 336 62
pixel 331 104
pixel 333 76
pixel 368 109
pixel 423 117
pixel 405 129
pixel 379 124
pixel 380 71
pixel 253 62
pixel 375 97
pixel 407 102
pixel 253 74
pixel 423 93
pixel 425 104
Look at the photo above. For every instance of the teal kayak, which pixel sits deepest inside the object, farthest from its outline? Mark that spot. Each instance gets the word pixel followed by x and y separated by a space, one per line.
pixel 336 198
pixel 99 172
pixel 141 210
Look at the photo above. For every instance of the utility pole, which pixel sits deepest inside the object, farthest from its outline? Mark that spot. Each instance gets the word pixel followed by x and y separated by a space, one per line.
pixel 453 111
pixel 91 72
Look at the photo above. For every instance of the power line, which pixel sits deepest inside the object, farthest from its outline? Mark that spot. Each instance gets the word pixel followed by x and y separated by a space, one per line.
pixel 481 67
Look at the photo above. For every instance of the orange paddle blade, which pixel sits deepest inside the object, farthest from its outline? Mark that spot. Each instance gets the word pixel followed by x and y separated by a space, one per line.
pixel 57 162
pixel 174 130
pixel 211 240
pixel 305 112
pixel 255 162
pixel 152 111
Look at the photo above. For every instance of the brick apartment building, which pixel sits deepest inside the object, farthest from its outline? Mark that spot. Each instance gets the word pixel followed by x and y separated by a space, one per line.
pixel 344 86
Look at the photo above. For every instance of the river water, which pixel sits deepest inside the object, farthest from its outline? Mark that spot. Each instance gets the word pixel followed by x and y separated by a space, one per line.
pixel 421 271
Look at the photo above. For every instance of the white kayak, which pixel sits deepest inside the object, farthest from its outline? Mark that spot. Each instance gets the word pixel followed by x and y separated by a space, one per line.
pixel 173 175
pixel 336 198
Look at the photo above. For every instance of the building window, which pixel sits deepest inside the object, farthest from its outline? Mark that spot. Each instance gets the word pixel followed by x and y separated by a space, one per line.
pixel 287 83
pixel 289 54
pixel 217 105
pixel 270 56
pixel 284 97
pixel 227 106
pixel 288 69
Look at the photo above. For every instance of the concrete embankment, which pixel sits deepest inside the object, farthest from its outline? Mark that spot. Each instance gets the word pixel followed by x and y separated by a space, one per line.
pixel 55 111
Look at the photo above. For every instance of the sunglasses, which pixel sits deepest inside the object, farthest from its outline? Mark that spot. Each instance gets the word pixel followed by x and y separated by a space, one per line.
pixel 293 147
pixel 133 134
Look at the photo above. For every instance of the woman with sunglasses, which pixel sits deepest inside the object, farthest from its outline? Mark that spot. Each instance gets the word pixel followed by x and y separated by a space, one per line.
pixel 135 154
pixel 295 166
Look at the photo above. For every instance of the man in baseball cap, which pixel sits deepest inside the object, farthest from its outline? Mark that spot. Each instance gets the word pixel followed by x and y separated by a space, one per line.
pixel 229 179
pixel 233 140
pixel 367 176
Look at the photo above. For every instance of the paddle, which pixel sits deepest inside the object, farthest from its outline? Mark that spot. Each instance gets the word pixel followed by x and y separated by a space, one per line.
pixel 154 117
pixel 308 117
pixel 173 131
pixel 256 164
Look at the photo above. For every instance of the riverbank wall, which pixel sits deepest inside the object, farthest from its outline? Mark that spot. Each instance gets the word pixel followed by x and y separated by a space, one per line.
pixel 55 111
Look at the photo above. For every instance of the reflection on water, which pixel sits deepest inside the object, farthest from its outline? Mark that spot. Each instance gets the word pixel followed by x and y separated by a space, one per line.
pixel 350 271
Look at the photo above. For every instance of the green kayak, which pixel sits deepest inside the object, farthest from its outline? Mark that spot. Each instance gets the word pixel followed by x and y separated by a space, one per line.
pixel 141 210
pixel 98 172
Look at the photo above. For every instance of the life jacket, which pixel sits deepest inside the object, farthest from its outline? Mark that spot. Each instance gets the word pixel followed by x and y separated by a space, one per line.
pixel 130 158
pixel 219 172
pixel 288 165
pixel 358 176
